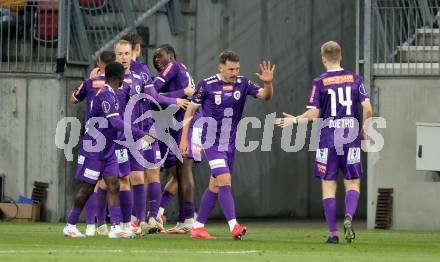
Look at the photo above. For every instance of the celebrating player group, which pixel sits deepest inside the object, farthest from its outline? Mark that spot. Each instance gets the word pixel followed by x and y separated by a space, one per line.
pixel 137 124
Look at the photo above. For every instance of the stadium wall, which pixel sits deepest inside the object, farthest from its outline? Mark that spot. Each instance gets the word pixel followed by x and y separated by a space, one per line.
pixel 31 106
pixel 403 101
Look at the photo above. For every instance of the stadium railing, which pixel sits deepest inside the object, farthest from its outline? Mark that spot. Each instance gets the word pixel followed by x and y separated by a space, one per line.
pixel 29 35
pixel 405 37
pixel 41 36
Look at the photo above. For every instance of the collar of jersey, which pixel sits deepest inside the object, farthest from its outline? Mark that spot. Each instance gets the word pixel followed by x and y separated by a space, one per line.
pixel 336 70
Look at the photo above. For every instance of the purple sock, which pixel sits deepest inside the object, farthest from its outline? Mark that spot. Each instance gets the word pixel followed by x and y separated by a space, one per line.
pixel 188 210
pixel 330 215
pixel 140 202
pixel 166 198
pixel 207 204
pixel 226 202
pixel 90 209
pixel 181 217
pixel 154 195
pixel 351 202
pixel 126 203
pixel 101 206
pixel 74 215
pixel 115 215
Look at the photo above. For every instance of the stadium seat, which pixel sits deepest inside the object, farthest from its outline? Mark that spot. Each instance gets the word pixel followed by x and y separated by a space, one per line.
pixel 92 5
pixel 15 6
pixel 46 21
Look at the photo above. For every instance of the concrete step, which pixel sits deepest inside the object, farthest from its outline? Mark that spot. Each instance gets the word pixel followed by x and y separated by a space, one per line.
pixel 406 69
pixel 416 54
pixel 428 37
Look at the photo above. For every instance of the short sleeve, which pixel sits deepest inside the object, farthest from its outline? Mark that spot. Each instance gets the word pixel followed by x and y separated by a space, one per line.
pixel 168 73
pixel 200 93
pixel 252 88
pixel 109 104
pixel 313 97
pixel 362 92
pixel 80 92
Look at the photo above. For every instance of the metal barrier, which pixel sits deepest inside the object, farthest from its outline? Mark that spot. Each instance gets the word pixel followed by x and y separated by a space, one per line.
pixel 98 24
pixel 29 35
pixel 405 37
pixel 41 36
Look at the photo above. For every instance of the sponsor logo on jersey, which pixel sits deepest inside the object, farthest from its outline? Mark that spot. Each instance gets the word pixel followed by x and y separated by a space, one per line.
pixel 228 88
pixel 167 69
pixel 98 83
pixel 335 80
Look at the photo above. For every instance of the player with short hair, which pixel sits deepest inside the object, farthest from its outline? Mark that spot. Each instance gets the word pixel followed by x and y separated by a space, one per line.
pixel 334 97
pixel 174 80
pixel 123 50
pixel 94 163
pixel 222 97
pixel 97 203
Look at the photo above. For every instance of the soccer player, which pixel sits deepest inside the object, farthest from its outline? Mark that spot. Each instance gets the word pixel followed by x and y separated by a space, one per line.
pixel 222 98
pixel 97 203
pixel 334 97
pixel 94 163
pixel 174 80
pixel 123 51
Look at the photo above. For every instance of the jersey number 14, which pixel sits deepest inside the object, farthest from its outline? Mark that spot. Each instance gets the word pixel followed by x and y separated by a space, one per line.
pixel 343 99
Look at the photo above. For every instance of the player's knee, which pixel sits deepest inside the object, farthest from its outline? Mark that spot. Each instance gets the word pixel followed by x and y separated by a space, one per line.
pixel 353 184
pixel 136 178
pixel 125 184
pixel 87 189
pixel 153 175
pixel 224 179
pixel 113 186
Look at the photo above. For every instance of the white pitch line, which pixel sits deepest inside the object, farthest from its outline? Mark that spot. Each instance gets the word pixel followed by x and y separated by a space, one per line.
pixel 219 252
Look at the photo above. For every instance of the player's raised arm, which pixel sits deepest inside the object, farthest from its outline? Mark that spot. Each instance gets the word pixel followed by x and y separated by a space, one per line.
pixel 266 75
pixel 288 120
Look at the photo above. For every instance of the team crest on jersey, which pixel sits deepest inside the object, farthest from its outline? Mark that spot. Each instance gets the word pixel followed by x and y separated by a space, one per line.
pixel 218 99
pixel 354 155
pixel 138 89
pixel 239 80
pixel 105 106
pixel 322 155
pixel 237 95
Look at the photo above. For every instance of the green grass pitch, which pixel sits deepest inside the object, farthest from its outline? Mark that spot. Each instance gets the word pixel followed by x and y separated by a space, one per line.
pixel 265 242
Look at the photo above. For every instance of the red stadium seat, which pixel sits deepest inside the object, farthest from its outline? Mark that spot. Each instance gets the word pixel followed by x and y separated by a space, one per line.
pixel 46 21
pixel 92 4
